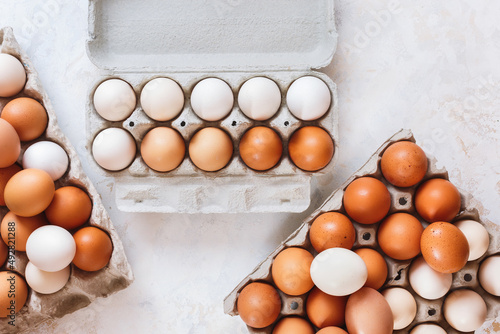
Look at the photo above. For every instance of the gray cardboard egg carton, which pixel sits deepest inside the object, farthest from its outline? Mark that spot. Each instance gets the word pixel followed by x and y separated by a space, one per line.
pixel 83 287
pixel 234 51
pixel 402 201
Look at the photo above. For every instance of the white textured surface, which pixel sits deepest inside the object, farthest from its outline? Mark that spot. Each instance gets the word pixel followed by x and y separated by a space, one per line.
pixel 431 67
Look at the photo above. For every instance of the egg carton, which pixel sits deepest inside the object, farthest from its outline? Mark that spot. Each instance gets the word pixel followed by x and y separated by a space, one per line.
pixel 401 201
pixel 233 51
pixel 83 287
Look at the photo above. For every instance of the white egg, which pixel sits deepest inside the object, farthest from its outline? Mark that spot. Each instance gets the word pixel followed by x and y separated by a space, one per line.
pixel 212 99
pixel 489 275
pixel 114 149
pixel 403 306
pixel 428 329
pixel 162 99
pixel 477 236
pixel 44 281
pixel 465 310
pixel 50 248
pixel 12 75
pixel 114 100
pixel 427 282
pixel 338 271
pixel 259 98
pixel 47 156
pixel 308 98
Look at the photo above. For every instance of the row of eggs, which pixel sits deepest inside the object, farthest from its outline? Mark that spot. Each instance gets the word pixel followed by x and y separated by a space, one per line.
pixel 210 149
pixel 44 222
pixel 308 98
pixel 341 284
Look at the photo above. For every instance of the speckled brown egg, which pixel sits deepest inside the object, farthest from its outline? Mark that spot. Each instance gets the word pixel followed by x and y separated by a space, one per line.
pixel 93 248
pixel 261 148
pixel 10 144
pixel 5 175
pixel 399 236
pixel 291 271
pixel 376 266
pixel 210 149
pixel 332 229
pixel 367 200
pixel 311 148
pixel 27 116
pixel 325 310
pixel 20 228
pixel 163 149
pixel 444 247
pixel 404 164
pixel 29 192
pixel 11 303
pixel 70 208
pixel 259 304
pixel 437 200
pixel 293 325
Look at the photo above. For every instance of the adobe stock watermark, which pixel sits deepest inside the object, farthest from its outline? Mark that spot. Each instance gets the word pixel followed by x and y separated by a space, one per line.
pixel 43 14
pixel 463 111
pixel 223 7
pixel 371 29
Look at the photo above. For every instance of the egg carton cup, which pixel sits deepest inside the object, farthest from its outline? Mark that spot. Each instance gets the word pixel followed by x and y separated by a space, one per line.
pixel 401 201
pixel 83 287
pixel 183 56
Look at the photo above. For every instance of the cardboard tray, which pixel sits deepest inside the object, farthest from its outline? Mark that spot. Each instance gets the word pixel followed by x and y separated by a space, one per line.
pixel 402 201
pixel 234 41
pixel 83 287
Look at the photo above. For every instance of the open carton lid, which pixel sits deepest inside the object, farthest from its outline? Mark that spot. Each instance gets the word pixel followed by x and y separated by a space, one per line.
pixel 211 35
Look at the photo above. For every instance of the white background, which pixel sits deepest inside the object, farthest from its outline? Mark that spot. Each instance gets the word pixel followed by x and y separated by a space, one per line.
pixel 428 66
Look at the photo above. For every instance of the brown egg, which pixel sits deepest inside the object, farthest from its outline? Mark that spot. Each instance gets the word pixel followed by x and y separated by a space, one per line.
pixel 29 192
pixel 325 310
pixel 21 228
pixel 367 200
pixel 399 236
pixel 437 200
pixel 444 247
pixel 291 271
pixel 163 149
pixel 5 175
pixel 367 312
pixel 11 303
pixel 293 325
pixel 93 248
pixel 259 304
pixel 404 164
pixel 210 149
pixel 4 253
pixel 10 145
pixel 332 229
pixel 376 266
pixel 70 208
pixel 261 148
pixel 27 116
pixel 311 148
pixel 331 330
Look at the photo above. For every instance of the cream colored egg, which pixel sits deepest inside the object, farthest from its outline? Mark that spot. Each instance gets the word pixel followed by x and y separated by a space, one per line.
pixel 477 236
pixel 338 271
pixel 489 274
pixel 427 282
pixel 403 306
pixel 428 328
pixel 12 75
pixel 259 98
pixel 465 310
pixel 46 282
pixel 162 99
pixel 308 98
pixel 212 99
pixel 114 149
pixel 114 100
